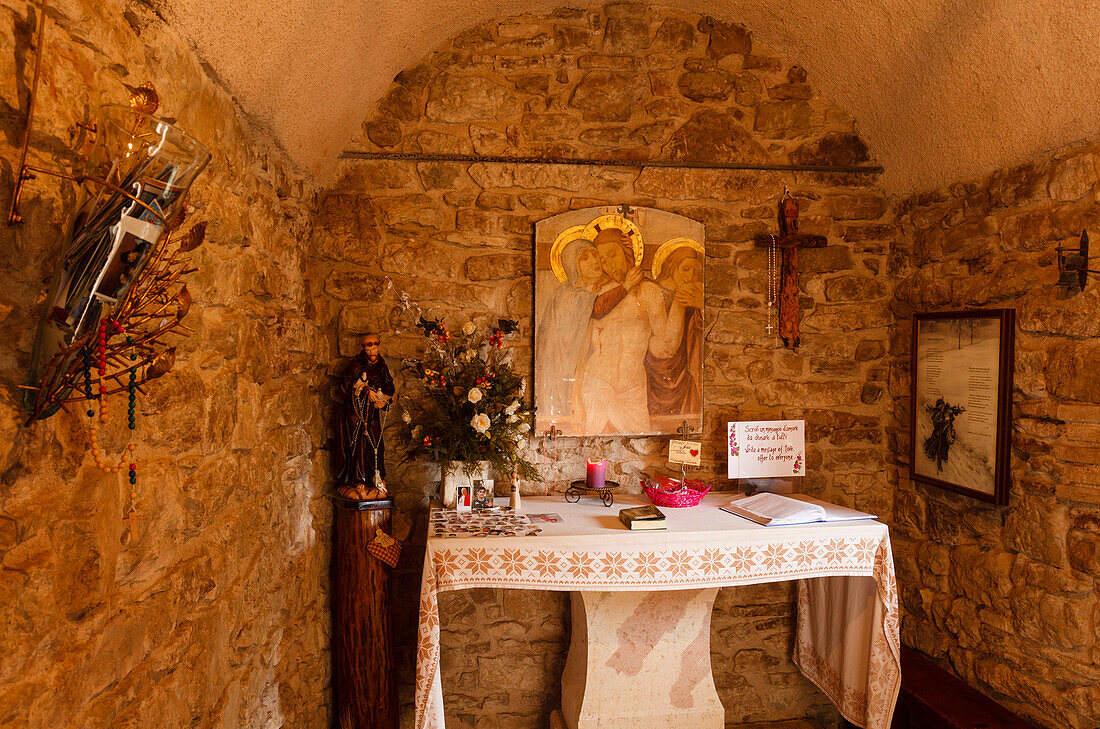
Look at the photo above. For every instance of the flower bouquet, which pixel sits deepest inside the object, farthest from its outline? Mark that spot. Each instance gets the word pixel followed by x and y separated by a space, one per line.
pixel 472 405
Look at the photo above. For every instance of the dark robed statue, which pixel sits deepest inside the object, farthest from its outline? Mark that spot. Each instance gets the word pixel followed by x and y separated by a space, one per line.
pixel 366 389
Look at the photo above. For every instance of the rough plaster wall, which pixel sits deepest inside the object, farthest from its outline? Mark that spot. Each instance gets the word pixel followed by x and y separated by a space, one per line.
pixel 213 614
pixel 943 90
pixel 1009 597
pixel 457 239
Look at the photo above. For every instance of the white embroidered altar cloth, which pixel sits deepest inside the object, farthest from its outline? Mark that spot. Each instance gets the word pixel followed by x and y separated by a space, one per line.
pixel 847 640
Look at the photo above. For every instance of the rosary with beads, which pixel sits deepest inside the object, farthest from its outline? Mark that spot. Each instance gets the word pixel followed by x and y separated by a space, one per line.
pixel 773 289
pixel 109 327
pixel 379 483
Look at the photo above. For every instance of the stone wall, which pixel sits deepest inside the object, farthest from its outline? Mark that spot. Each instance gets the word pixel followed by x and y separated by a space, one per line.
pixel 1007 597
pixel 621 81
pixel 213 613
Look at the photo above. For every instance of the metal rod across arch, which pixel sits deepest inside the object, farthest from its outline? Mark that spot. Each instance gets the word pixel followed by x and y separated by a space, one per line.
pixel 492 159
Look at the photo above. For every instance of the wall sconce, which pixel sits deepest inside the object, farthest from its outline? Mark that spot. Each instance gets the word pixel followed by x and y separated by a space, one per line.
pixel 1073 264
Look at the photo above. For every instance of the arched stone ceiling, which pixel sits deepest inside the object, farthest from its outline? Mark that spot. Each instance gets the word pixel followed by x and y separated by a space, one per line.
pixel 942 90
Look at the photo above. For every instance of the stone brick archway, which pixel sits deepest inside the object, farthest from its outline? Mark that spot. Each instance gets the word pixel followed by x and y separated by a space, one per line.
pixel 621 82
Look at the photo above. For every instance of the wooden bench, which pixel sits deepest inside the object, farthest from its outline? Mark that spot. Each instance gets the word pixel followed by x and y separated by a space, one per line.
pixel 932 698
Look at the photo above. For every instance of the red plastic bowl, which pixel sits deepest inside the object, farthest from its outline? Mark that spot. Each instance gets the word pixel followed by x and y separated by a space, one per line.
pixel 669 492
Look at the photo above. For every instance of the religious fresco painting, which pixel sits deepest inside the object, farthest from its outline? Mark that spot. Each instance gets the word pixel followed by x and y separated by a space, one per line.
pixel 618 322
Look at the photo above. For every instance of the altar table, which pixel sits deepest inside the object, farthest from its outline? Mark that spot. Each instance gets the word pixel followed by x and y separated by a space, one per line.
pixel 847 639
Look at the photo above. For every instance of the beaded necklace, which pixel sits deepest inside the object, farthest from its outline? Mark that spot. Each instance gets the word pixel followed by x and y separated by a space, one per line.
pixel 773 289
pixel 358 406
pixel 101 366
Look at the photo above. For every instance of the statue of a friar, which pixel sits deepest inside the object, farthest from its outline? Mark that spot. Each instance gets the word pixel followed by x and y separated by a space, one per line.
pixel 366 390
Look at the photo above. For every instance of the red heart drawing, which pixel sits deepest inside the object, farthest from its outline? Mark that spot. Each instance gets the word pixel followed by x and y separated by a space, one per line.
pixel 694 451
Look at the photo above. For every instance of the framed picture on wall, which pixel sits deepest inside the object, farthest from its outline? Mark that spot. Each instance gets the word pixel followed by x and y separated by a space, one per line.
pixel 961 388
pixel 619 321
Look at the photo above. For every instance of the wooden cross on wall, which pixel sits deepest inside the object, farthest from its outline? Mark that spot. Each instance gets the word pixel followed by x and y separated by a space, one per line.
pixel 788 242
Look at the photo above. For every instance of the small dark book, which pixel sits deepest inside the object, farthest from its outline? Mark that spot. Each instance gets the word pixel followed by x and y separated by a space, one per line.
pixel 642 517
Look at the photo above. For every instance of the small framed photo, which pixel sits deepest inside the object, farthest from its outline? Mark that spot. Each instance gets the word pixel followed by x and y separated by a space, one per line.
pixel 961 401
pixel 483 494
pixel 464 498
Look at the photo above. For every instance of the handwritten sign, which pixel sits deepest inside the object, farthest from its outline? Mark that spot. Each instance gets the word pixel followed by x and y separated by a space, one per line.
pixel 684 451
pixel 766 448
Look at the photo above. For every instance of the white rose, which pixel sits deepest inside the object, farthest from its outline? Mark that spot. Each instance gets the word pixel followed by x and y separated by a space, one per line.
pixel 469 328
pixel 416 432
pixel 512 418
pixel 524 427
pixel 512 408
pixel 480 422
pixel 523 387
pixel 406 417
pixel 474 395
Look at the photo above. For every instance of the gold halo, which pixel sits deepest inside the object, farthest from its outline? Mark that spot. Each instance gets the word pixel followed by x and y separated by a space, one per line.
pixel 617 221
pixel 668 247
pixel 567 236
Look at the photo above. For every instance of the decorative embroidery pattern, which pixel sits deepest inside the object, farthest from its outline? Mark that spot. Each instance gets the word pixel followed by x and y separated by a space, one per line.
pixel 452 566
pixel 871 706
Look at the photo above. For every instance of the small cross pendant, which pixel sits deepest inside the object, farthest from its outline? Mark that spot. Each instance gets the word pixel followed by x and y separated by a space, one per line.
pixel 131 521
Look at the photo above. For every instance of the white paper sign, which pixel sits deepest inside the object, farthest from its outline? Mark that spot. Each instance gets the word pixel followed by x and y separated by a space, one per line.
pixel 685 451
pixel 766 448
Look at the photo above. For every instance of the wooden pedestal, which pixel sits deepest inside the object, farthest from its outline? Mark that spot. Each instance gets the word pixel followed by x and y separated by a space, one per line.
pixel 362 655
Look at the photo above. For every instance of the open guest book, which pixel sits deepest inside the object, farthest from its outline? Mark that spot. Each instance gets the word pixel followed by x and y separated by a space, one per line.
pixel 775 510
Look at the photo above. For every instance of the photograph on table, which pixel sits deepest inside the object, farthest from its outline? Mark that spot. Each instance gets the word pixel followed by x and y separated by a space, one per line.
pixel 619 322
pixel 464 497
pixel 544 518
pixel 449 524
pixel 483 494
pixel 961 406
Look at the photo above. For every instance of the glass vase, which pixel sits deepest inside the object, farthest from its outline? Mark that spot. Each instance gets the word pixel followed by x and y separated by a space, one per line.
pixel 453 474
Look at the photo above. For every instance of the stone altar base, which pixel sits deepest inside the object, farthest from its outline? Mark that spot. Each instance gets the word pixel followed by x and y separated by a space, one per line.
pixel 556 722
pixel 640 660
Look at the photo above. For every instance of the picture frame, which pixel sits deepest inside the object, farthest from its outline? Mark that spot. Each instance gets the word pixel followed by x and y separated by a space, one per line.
pixel 483 494
pixel 961 372
pixel 463 498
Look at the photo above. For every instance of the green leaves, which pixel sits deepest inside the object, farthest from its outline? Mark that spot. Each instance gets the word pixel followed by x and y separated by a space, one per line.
pixel 443 414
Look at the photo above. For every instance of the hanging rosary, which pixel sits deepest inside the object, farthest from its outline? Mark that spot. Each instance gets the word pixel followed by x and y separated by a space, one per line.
pixel 773 289
pixel 378 482
pixel 101 368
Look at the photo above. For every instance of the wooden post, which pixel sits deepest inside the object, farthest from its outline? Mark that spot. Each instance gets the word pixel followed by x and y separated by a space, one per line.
pixel 362 654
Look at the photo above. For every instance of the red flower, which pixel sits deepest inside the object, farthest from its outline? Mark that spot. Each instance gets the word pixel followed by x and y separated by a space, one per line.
pixel 427 440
